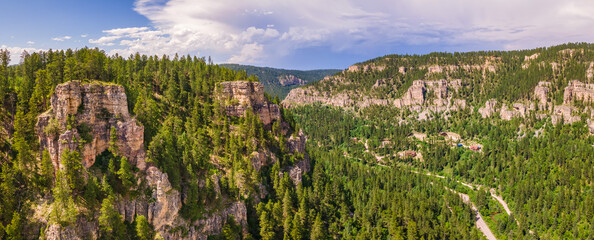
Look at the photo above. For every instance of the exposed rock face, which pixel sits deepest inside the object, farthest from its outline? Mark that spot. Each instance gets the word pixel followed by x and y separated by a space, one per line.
pixel 488 109
pixel 373 66
pixel 517 110
pixel 564 112
pixel 578 91
pixel 248 95
pixel 262 158
pixel 98 106
pixel 541 93
pixel 299 96
pixel 287 80
pixel 164 210
pixel 531 57
pixel 415 95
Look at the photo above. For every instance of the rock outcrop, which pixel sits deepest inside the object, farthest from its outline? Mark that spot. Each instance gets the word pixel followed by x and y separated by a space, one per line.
pixel 578 91
pixel 101 106
pixel 373 66
pixel 541 93
pixel 239 96
pixel 287 80
pixel 96 107
pixel 416 94
pixel 489 108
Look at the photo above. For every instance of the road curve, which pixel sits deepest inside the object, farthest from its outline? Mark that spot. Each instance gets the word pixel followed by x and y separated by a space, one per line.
pixel 500 200
pixel 480 223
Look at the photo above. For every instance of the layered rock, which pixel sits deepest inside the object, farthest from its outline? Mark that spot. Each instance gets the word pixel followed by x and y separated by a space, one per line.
pixel 415 95
pixel 517 110
pixel 373 66
pixel 489 108
pixel 578 91
pixel 287 80
pixel 101 106
pixel 243 95
pixel 541 93
pixel 96 107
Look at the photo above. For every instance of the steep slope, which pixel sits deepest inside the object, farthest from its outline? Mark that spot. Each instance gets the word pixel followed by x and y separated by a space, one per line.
pixel 182 149
pixel 102 108
pixel 278 82
pixel 520 122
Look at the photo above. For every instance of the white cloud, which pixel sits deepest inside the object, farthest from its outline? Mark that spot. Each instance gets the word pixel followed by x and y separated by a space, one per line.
pixel 105 41
pixel 84 35
pixel 61 39
pixel 250 53
pixel 240 30
pixel 30 42
pixel 16 52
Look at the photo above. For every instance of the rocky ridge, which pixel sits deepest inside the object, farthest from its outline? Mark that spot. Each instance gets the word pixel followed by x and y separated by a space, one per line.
pixel 239 96
pixel 101 106
pixel 287 80
pixel 98 107
pixel 565 113
pixel 416 98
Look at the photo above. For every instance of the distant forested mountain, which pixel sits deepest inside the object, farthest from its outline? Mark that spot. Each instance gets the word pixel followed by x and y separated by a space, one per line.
pixel 515 130
pixel 278 82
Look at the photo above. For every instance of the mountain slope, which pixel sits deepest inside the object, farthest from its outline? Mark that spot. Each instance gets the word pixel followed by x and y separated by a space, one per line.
pixel 278 82
pixel 520 122
pixel 99 147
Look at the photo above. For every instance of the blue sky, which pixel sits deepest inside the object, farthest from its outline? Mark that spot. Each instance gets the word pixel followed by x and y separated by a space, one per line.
pixel 295 34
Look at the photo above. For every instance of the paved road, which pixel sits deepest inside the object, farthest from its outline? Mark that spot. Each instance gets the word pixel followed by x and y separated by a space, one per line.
pixel 500 200
pixel 480 223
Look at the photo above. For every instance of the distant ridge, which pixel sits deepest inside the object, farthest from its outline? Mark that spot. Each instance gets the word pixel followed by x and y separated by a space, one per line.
pixel 278 82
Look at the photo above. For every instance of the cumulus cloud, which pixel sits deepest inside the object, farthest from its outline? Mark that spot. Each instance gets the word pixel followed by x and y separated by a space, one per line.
pixel 244 30
pixel 30 42
pixel 61 39
pixel 17 52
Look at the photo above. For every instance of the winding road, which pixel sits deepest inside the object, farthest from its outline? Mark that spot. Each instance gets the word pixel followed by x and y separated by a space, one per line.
pixel 480 223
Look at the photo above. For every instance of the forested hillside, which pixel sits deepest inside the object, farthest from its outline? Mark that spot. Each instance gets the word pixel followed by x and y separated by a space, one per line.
pixel 278 82
pixel 174 147
pixel 515 129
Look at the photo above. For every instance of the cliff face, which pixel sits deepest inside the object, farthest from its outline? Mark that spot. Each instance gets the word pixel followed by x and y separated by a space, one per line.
pixel 419 94
pixel 101 106
pixel 244 95
pixel 96 107
pixel 287 80
pixel 578 91
pixel 566 113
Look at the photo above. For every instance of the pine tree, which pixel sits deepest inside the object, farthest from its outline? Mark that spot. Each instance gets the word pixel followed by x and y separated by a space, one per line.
pixel 266 226
pixel 125 174
pixel 110 221
pixel 14 229
pixel 296 228
pixel 73 170
pixel 318 230
pixel 63 210
pixel 7 191
pixel 47 169
pixel 92 192
pixel 144 231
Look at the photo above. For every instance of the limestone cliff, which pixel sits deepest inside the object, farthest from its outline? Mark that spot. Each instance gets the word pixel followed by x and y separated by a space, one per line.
pixel 578 91
pixel 239 96
pixel 96 107
pixel 100 107
pixel 287 80
pixel 440 92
